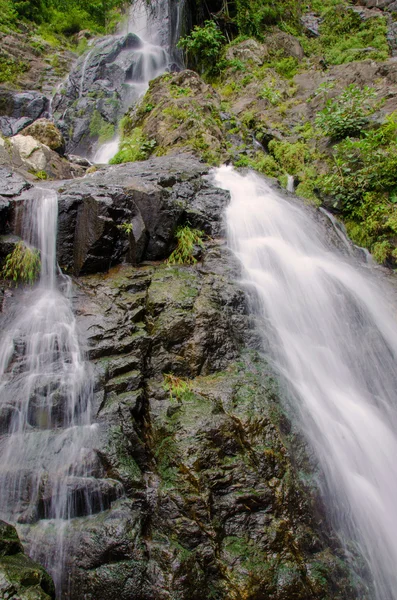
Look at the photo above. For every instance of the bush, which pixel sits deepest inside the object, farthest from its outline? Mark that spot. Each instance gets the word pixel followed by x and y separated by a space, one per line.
pixel 11 69
pixel 22 265
pixel 136 146
pixel 8 16
pixel 363 181
pixel 253 17
pixel 187 239
pixel 363 165
pixel 345 37
pixel 204 46
pixel 348 114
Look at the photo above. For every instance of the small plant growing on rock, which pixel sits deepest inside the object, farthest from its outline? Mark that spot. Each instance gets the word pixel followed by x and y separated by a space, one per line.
pixel 187 239
pixel 348 114
pixel 176 386
pixel 22 265
pixel 125 228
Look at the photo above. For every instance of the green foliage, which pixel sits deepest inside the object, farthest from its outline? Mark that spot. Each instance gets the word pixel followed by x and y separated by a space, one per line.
pixel 287 67
pixel 363 165
pixel 363 182
pixel 290 157
pixel 348 114
pixel 135 146
pixel 126 227
pixel 11 69
pixel 65 17
pixel 253 17
pixel 203 46
pixel 269 92
pixel 22 265
pixel 176 386
pixel 101 128
pixel 346 38
pixel 8 16
pixel 42 175
pixel 187 239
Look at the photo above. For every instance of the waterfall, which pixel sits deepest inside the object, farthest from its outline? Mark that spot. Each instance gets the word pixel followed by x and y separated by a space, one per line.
pixel 333 339
pixel 150 24
pixel 49 473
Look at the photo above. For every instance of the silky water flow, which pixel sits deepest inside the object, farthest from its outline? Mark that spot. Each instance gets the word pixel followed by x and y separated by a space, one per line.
pixel 49 473
pixel 149 61
pixel 333 338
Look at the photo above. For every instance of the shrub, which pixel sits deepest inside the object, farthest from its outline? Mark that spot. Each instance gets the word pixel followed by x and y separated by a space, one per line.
pixel 348 114
pixel 11 69
pixel 176 386
pixel 187 239
pixel 203 46
pixel 135 146
pixel 363 165
pixel 22 265
pixel 290 157
pixel 345 37
pixel 101 128
pixel 253 17
pixel 363 182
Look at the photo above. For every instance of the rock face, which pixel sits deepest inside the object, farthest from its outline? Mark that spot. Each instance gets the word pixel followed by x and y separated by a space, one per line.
pixel 188 412
pixel 19 109
pixel 154 196
pixel 97 93
pixel 34 159
pixel 181 112
pixel 20 577
pixel 44 131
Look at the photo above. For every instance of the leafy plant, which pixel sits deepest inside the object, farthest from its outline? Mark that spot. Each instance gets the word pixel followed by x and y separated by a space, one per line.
pixel 187 239
pixel 203 46
pixel 135 146
pixel 126 227
pixel 176 386
pixel 362 180
pixel 348 114
pixel 268 92
pixel 22 265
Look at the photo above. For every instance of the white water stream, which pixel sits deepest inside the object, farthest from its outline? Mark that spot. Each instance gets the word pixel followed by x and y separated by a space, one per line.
pixel 150 61
pixel 47 463
pixel 334 340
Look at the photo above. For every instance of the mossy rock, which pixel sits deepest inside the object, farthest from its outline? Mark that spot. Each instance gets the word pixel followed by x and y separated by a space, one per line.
pixel 47 133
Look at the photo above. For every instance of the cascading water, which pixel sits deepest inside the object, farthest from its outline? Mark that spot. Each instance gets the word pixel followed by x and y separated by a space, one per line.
pixel 49 473
pixel 334 341
pixel 149 61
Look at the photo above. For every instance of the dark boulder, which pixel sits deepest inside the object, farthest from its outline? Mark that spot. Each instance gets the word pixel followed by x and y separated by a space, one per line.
pixel 154 197
pixel 20 109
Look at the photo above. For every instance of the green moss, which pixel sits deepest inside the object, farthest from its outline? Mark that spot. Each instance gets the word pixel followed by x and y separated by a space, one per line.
pixel 100 128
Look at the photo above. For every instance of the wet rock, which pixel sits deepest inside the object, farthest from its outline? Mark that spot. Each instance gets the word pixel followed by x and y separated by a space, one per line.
pixel 96 93
pixel 11 186
pixel 154 199
pixel 20 577
pixel 44 131
pixel 19 109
